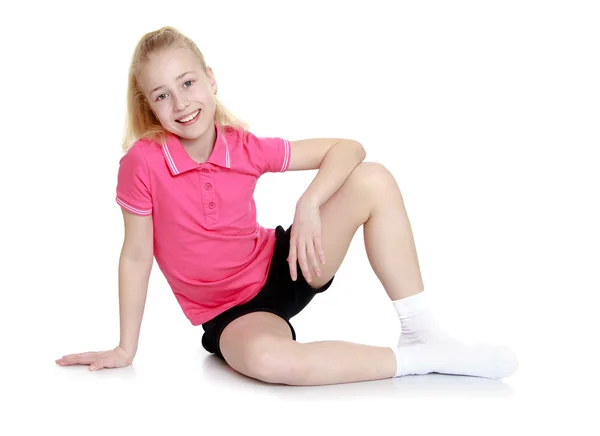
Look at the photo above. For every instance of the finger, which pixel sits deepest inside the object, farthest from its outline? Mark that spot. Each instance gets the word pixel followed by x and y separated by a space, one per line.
pixel 310 249
pixel 302 260
pixel 97 364
pixel 74 361
pixel 78 359
pixel 292 261
pixel 319 247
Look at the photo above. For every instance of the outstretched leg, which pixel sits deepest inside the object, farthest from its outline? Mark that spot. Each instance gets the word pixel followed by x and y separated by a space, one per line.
pixel 260 345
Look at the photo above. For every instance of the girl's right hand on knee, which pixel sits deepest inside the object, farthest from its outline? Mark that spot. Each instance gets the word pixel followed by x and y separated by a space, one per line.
pixel 96 360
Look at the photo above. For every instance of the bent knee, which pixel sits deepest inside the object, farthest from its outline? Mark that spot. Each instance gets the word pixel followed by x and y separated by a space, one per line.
pixel 370 178
pixel 373 172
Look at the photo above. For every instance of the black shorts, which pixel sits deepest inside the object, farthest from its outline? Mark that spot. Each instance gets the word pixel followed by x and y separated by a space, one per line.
pixel 279 295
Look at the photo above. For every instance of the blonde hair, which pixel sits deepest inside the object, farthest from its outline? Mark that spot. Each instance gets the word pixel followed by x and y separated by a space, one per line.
pixel 140 121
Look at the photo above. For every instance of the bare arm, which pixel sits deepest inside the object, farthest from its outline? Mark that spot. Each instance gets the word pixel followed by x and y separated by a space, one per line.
pixel 135 265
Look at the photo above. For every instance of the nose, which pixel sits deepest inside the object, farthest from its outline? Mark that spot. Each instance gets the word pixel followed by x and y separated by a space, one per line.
pixel 180 102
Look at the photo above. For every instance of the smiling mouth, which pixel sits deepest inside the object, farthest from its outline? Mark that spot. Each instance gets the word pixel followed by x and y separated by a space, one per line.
pixel 189 118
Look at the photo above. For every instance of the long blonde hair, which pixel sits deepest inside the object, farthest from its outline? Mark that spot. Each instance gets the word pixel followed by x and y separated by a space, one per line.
pixel 140 121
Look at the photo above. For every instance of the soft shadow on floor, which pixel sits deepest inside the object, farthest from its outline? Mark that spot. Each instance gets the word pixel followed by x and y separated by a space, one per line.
pixel 75 372
pixel 430 385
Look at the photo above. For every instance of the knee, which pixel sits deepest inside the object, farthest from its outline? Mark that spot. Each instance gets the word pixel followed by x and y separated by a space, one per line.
pixel 273 363
pixel 372 178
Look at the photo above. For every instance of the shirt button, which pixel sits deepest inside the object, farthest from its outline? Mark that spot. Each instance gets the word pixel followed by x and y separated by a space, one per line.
pixel 211 205
pixel 204 170
pixel 208 186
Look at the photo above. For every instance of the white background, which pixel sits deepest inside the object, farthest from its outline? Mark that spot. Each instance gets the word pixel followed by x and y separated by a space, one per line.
pixel 486 113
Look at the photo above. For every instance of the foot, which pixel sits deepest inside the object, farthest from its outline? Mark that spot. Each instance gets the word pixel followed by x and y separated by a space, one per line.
pixel 424 347
pixel 453 357
pixel 428 350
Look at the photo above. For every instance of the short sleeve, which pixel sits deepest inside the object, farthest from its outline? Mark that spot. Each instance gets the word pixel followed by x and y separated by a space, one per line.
pixel 133 183
pixel 269 154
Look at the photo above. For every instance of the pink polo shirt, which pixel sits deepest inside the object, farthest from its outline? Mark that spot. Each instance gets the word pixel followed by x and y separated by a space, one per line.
pixel 207 242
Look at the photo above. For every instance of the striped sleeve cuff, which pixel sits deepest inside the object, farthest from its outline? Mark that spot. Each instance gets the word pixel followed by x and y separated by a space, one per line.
pixel 132 209
pixel 286 155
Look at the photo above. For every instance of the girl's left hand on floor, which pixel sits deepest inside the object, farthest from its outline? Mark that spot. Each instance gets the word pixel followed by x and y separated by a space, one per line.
pixel 305 240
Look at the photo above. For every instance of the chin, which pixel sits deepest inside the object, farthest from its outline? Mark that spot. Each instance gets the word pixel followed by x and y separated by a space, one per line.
pixel 192 135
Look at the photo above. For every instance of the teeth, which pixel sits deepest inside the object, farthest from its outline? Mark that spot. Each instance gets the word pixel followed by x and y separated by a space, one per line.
pixel 191 117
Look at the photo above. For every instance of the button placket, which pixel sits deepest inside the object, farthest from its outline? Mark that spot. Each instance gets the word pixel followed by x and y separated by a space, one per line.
pixel 208 196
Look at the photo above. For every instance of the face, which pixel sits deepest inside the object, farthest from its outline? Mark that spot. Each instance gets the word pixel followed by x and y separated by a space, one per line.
pixel 179 92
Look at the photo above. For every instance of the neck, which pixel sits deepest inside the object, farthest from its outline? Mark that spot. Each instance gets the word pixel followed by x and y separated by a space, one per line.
pixel 201 146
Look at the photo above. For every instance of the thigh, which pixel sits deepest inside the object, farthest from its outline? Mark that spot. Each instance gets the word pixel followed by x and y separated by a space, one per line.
pixel 252 343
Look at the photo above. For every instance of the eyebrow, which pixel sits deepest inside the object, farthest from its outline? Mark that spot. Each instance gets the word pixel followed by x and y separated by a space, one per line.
pixel 176 78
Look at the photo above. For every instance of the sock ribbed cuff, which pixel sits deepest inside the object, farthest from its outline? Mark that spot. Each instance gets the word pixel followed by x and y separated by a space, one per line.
pixel 410 306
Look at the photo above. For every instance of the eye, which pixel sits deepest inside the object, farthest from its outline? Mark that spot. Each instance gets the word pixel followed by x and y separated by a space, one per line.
pixel 188 81
pixel 159 97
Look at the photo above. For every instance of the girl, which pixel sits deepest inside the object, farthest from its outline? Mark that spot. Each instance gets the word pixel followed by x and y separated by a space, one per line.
pixel 186 188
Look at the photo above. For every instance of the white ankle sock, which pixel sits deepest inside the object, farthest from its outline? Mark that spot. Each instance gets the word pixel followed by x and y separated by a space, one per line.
pixel 417 323
pixel 481 360
pixel 424 348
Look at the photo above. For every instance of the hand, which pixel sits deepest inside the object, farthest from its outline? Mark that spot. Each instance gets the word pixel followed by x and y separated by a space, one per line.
pixel 305 240
pixel 114 358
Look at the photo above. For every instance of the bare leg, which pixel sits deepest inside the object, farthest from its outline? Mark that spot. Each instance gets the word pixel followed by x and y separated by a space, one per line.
pixel 371 197
pixel 390 244
pixel 260 346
